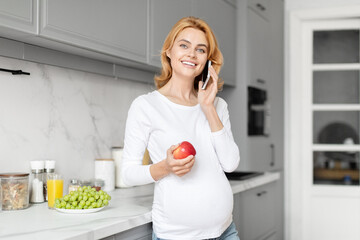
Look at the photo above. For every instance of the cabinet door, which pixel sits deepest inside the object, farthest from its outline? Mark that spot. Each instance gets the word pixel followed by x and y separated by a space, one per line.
pixel 261 7
pixel 221 16
pixel 276 85
pixel 20 15
pixel 259 45
pixel 163 15
pixel 257 212
pixel 116 28
pixel 237 212
pixel 265 71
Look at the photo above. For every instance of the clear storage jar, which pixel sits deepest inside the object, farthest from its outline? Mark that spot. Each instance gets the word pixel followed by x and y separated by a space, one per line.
pixel 15 190
pixel 74 185
pixel 98 184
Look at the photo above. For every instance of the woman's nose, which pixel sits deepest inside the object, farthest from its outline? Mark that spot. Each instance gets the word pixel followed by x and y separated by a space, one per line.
pixel 192 53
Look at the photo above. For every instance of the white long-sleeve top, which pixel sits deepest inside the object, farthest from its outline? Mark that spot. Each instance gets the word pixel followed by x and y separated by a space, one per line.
pixel 199 204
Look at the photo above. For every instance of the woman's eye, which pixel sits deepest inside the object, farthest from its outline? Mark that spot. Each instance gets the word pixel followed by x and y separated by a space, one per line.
pixel 183 45
pixel 201 50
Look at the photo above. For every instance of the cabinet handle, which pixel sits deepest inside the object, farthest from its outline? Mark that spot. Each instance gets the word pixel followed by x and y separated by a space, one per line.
pixel 14 72
pixel 272 146
pixel 261 7
pixel 259 80
pixel 261 193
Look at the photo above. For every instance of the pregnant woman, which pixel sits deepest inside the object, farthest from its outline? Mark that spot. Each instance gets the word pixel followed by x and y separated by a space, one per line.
pixel 192 197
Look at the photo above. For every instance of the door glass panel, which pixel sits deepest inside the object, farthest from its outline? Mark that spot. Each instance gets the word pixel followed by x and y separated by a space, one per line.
pixel 341 46
pixel 336 87
pixel 336 127
pixel 336 168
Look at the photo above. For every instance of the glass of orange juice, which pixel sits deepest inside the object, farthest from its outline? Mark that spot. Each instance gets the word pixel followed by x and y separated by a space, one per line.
pixel 55 185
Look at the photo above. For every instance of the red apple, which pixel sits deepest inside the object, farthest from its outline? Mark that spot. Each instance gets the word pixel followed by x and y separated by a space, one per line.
pixel 183 150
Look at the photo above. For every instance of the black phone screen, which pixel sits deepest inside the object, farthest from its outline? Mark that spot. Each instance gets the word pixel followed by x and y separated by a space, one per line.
pixel 205 72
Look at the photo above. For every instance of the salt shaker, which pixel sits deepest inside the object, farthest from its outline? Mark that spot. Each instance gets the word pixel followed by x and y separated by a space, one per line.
pixel 37 181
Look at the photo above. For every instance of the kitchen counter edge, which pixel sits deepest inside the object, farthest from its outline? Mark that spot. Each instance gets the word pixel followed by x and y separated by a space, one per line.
pixel 129 208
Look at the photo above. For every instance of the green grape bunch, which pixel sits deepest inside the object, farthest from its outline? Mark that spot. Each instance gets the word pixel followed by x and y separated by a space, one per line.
pixel 85 197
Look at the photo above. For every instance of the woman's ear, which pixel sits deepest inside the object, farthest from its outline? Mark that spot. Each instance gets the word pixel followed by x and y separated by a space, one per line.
pixel 168 54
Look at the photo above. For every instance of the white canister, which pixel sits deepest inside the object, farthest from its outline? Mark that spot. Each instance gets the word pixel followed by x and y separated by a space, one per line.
pixel 117 155
pixel 105 170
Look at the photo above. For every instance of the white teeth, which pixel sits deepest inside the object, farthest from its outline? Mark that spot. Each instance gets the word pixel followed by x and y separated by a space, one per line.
pixel 189 63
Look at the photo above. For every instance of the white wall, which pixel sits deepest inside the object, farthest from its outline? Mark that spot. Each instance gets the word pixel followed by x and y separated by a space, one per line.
pixel 55 113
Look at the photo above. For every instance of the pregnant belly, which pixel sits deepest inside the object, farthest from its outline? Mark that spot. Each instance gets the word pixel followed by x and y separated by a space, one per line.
pixel 201 204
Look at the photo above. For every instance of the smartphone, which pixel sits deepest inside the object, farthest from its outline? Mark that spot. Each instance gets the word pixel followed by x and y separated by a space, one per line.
pixel 206 74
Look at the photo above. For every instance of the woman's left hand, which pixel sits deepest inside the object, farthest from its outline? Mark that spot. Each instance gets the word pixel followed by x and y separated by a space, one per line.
pixel 207 96
pixel 206 100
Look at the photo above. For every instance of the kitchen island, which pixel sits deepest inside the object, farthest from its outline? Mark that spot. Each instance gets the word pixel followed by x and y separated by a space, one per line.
pixel 129 208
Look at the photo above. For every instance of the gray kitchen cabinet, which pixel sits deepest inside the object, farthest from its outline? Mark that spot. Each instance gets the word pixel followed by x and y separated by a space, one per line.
pixel 265 71
pixel 259 47
pixel 18 18
pixel 116 28
pixel 221 16
pixel 163 15
pixel 143 232
pixel 255 213
pixel 261 7
pixel 129 32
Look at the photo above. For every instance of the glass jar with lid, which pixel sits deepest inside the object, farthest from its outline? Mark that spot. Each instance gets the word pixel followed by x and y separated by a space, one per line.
pixel 86 183
pixel 15 191
pixel 98 184
pixel 74 185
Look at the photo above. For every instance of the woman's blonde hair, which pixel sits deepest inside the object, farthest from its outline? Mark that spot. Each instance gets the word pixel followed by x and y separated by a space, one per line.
pixel 214 53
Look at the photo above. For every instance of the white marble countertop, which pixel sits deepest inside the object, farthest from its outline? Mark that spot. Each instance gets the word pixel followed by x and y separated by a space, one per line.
pixel 128 208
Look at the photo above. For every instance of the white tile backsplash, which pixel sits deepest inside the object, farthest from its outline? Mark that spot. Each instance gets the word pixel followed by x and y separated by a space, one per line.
pixel 55 113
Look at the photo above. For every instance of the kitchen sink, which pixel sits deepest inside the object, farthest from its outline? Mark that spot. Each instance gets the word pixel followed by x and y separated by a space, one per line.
pixel 242 175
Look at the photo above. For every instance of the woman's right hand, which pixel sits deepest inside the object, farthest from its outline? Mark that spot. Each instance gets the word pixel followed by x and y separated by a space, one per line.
pixel 179 167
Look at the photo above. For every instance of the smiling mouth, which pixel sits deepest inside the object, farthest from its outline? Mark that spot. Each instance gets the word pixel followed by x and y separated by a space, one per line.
pixel 188 63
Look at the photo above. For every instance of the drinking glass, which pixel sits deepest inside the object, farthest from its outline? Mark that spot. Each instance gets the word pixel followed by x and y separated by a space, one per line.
pixel 55 186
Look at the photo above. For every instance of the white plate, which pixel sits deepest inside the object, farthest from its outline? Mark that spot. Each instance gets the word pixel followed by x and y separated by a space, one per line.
pixel 79 211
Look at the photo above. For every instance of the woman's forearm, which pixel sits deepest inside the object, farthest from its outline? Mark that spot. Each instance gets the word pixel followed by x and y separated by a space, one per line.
pixel 213 119
pixel 159 170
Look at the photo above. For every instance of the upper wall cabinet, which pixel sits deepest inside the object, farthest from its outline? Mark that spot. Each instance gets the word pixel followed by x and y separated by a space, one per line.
pixel 163 15
pixel 116 28
pixel 20 15
pixel 261 7
pixel 221 16
pixel 259 47
pixel 127 32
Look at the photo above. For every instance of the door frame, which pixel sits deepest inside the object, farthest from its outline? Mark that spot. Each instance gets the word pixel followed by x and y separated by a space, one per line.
pixel 296 113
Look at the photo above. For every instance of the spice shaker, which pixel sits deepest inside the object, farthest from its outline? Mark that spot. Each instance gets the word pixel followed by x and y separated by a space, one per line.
pixel 37 181
pixel 49 169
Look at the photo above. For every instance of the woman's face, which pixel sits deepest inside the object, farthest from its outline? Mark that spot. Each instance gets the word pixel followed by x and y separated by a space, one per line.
pixel 189 53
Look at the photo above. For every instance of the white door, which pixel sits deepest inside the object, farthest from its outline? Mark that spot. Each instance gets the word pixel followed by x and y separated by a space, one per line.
pixel 324 128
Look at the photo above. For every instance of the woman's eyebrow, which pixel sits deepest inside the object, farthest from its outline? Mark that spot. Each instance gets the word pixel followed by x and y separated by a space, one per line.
pixel 200 44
